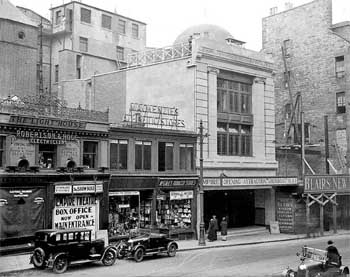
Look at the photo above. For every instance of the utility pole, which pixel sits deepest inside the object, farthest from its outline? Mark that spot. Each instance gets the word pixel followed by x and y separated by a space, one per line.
pixel 201 240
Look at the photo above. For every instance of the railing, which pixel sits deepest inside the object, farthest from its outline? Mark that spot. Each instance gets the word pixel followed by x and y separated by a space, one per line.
pixel 159 55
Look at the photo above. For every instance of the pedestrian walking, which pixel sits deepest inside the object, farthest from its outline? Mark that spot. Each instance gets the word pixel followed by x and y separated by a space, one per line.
pixel 216 227
pixel 223 226
pixel 211 230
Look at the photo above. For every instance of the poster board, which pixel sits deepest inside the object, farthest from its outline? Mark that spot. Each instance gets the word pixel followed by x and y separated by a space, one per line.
pixel 274 227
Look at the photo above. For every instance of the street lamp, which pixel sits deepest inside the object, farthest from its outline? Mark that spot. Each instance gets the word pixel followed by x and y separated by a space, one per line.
pixel 201 192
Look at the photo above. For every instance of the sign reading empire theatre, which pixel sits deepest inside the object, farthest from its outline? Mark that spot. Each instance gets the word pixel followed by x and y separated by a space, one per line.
pixel 327 183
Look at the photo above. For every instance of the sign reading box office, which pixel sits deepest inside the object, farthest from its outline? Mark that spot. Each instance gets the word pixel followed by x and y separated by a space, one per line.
pixel 333 183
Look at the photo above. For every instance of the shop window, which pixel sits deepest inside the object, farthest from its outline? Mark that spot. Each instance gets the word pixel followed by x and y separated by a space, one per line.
pixel 186 157
pixel 135 30
pixel 234 139
pixel 106 21
pixel 85 15
pixel 121 26
pixel 124 212
pixel 119 154
pixel 340 98
pixel 90 154
pixel 165 156
pixel 2 150
pixel 339 67
pixel 83 44
pixel 145 212
pixel 143 155
pixel 233 97
pixel 47 155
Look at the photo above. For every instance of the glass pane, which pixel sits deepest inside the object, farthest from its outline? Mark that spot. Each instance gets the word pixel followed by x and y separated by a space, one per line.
pixel 123 156
pixel 138 156
pixel 221 127
pixel 147 156
pixel 182 157
pixel 233 128
pixel 114 156
pixel 169 156
pixel 245 129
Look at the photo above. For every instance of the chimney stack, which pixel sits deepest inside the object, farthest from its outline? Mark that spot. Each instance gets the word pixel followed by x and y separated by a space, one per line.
pixel 273 10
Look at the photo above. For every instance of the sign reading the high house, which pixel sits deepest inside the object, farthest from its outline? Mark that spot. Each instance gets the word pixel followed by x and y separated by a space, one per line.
pixel 47 122
pixel 153 116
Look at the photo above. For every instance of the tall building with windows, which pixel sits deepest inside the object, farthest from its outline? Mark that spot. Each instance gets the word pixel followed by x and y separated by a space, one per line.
pixel 206 75
pixel 316 53
pixel 87 40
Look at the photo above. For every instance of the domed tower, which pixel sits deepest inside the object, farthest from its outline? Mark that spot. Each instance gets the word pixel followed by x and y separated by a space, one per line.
pixel 18 52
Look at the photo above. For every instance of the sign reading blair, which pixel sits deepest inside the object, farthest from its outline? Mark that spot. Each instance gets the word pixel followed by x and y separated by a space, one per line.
pixel 332 183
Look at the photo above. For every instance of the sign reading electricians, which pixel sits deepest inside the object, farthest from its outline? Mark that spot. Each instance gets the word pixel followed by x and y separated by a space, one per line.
pixel 75 212
pixel 327 183
pixel 153 116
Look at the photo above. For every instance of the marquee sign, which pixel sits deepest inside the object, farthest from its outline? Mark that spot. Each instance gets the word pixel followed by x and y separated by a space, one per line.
pixel 327 183
pixel 153 116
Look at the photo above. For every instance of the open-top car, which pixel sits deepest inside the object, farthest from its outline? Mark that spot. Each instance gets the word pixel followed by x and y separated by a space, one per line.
pixel 57 249
pixel 314 262
pixel 147 244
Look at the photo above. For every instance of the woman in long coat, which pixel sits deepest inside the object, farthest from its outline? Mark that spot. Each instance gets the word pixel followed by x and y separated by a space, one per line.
pixel 211 230
pixel 223 225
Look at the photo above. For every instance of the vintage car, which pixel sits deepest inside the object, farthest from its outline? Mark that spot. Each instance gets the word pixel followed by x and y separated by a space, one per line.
pixel 314 263
pixel 146 244
pixel 57 249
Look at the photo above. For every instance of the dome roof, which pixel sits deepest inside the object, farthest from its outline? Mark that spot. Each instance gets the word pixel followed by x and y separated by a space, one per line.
pixel 205 31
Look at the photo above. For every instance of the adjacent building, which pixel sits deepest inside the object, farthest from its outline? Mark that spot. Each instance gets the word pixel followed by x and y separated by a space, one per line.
pixel 312 75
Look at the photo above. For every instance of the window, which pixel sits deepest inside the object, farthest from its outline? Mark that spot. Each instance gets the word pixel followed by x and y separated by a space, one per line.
pixel 78 66
pixel 120 53
pixel 143 153
pixel 135 30
pixel 233 97
pixel 165 156
pixel 119 154
pixel 83 44
pixel 58 17
pixel 339 67
pixel 186 157
pixel 341 107
pixel 286 47
pixel 47 155
pixel 90 154
pixel 286 78
pixel 56 73
pixel 2 150
pixel 106 21
pixel 85 15
pixel 121 26
pixel 234 139
pixel 21 35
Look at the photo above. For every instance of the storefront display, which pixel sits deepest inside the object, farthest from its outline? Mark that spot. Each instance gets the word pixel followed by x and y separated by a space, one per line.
pixel 124 212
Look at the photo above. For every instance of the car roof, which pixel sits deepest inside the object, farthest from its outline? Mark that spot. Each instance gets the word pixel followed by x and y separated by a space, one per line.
pixel 59 231
pixel 156 235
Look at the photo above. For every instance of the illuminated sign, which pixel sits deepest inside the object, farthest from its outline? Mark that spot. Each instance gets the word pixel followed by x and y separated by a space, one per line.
pixel 153 116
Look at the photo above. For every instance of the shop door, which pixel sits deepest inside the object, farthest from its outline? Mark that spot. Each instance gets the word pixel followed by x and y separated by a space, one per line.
pixel 22 212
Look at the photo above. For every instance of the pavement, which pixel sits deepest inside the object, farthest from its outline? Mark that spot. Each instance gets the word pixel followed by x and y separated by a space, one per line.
pixel 20 262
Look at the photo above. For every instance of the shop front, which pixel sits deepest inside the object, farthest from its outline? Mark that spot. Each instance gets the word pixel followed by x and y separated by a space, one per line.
pixel 138 204
pixel 243 201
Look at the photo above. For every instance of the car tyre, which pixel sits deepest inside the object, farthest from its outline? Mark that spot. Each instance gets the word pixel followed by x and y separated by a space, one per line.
pixel 172 250
pixel 39 258
pixel 60 264
pixel 138 255
pixel 109 257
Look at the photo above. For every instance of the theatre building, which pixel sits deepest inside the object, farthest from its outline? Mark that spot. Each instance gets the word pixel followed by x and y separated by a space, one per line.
pixel 153 175
pixel 52 161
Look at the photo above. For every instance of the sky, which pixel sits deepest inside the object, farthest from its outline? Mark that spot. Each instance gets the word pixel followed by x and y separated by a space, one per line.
pixel 166 19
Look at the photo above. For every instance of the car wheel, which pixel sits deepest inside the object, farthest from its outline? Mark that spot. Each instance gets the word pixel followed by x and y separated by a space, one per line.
pixel 138 255
pixel 120 254
pixel 60 264
pixel 109 257
pixel 39 258
pixel 172 250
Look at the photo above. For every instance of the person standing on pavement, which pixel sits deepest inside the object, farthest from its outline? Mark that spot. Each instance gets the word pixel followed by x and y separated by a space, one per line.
pixel 211 230
pixel 216 227
pixel 223 226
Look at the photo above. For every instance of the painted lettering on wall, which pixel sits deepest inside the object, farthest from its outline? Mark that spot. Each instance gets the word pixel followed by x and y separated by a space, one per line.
pixel 39 137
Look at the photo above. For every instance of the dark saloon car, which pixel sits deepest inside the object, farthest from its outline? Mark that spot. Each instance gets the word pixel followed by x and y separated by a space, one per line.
pixel 57 249
pixel 147 244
